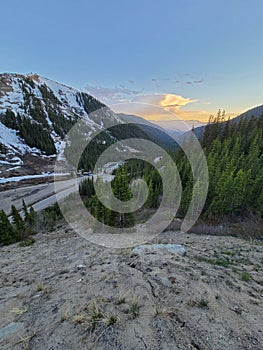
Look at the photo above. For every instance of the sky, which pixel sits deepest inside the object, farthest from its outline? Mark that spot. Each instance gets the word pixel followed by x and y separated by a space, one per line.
pixel 161 59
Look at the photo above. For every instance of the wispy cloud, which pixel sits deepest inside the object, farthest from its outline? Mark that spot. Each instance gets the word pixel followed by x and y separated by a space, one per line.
pixel 183 79
pixel 158 106
pixel 156 83
pixel 190 82
pixel 110 95
pixel 161 107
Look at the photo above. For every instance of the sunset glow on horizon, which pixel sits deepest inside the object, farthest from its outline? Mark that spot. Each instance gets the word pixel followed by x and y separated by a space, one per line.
pixel 174 55
pixel 164 107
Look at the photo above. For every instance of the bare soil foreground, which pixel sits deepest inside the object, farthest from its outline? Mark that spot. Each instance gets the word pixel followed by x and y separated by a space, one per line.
pixel 65 293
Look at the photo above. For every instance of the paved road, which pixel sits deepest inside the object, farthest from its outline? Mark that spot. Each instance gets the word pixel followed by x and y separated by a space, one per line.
pixel 40 196
pixel 43 195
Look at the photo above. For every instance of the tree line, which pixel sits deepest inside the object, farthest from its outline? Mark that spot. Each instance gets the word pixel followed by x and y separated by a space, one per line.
pixel 21 225
pixel 234 153
pixel 121 190
pixel 17 228
pixel 34 134
pixel 234 156
pixel 233 150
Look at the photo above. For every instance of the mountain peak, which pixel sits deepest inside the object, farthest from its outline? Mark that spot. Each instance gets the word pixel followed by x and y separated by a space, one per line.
pixel 36 113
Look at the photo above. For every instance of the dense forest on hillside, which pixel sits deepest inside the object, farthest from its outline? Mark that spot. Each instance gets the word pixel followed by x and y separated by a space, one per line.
pixel 41 114
pixel 21 225
pixel 121 190
pixel 35 134
pixel 100 143
pixel 235 162
pixel 234 153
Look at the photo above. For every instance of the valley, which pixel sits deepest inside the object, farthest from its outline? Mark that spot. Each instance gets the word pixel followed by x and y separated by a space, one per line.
pixel 200 289
pixel 131 175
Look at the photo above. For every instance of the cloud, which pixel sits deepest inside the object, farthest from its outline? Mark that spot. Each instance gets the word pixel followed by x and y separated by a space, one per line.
pixel 186 78
pixel 156 83
pixel 156 106
pixel 173 102
pixel 160 107
pixel 190 82
pixel 108 95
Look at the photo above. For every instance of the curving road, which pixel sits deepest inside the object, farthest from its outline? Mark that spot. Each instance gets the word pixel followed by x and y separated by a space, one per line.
pixel 39 196
pixel 43 195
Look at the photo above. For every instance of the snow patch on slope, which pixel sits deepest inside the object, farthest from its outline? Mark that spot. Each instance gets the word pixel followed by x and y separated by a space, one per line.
pixel 10 139
pixel 13 99
pixel 4 180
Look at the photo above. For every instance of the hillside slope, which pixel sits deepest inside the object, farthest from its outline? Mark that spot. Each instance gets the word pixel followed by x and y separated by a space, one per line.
pixel 35 115
pixel 253 112
pixel 154 131
pixel 67 293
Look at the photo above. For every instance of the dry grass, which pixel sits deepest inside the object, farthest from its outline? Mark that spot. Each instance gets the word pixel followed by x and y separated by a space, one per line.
pixel 250 227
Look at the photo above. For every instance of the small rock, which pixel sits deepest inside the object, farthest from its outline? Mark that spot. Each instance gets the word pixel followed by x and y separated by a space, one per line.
pixel 13 327
pixel 81 267
pixel 172 279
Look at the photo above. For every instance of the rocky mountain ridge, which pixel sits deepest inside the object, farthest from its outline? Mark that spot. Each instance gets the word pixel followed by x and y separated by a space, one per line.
pixel 35 115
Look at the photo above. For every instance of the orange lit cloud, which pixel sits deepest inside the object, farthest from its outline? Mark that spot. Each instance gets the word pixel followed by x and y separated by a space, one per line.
pixel 174 102
pixel 161 107
pixel 150 106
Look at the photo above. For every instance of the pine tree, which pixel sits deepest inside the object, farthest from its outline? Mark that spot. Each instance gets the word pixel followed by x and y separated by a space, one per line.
pixel 25 211
pixel 123 192
pixel 7 233
pixel 17 221
pixel 86 187
pixel 238 199
pixel 32 216
pixel 150 200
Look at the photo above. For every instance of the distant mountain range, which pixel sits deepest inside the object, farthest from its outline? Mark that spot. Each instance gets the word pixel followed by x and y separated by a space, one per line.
pixel 253 112
pixel 36 113
pixel 174 127
pixel 177 126
pixel 155 132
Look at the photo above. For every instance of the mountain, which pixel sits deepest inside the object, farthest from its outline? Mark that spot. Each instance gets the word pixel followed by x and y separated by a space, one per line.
pixel 177 126
pixel 253 112
pixel 35 115
pixel 154 131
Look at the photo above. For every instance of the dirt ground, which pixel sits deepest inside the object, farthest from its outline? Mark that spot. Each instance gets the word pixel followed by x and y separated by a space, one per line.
pixel 65 293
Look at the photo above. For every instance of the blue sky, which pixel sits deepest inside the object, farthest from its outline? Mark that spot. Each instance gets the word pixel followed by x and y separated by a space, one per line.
pixel 189 57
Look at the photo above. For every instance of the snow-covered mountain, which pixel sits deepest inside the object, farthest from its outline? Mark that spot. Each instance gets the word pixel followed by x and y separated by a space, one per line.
pixel 35 115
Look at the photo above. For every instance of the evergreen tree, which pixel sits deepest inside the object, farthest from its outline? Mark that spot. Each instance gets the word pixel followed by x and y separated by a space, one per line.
pixel 17 221
pixel 25 211
pixel 32 217
pixel 86 187
pixel 7 233
pixel 123 192
pixel 150 199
